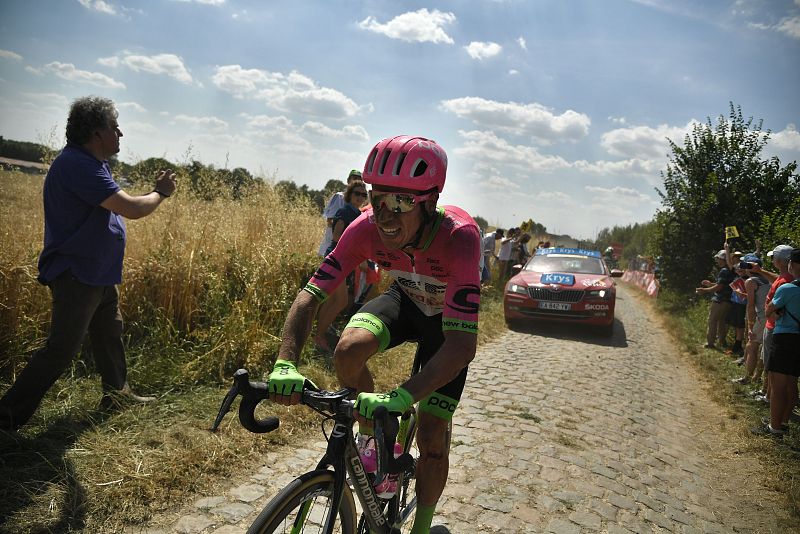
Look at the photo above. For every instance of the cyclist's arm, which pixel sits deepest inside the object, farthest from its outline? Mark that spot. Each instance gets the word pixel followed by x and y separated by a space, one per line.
pixel 297 327
pixel 457 351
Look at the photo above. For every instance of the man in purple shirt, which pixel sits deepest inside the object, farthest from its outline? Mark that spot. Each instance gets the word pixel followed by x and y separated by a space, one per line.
pixel 81 262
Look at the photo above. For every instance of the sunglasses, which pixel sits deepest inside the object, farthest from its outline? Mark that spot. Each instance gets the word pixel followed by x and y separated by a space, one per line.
pixel 362 194
pixel 395 202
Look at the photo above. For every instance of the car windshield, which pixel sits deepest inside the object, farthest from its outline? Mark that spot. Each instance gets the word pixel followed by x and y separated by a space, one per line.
pixel 553 263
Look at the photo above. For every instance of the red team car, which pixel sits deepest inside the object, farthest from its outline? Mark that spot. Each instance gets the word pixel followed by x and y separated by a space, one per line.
pixel 563 284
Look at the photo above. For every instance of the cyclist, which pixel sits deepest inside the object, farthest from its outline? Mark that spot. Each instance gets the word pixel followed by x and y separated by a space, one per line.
pixel 432 254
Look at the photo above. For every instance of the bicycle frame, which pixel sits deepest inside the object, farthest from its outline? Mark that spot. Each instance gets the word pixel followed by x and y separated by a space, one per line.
pixel 342 455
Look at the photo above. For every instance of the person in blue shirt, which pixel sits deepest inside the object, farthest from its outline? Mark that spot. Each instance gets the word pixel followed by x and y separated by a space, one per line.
pixel 784 360
pixel 81 262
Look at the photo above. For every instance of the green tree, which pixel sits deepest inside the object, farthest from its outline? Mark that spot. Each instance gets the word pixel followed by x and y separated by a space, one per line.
pixel 718 178
pixel 481 222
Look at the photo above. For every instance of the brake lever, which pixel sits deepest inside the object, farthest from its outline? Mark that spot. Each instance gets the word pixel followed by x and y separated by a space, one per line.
pixel 227 402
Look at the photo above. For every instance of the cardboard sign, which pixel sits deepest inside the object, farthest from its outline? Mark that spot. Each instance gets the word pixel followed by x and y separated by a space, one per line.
pixel 731 232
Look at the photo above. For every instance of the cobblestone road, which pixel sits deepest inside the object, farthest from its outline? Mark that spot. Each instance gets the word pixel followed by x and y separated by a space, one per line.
pixel 561 431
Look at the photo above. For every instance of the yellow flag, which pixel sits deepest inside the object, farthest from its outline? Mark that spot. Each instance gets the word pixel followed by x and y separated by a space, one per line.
pixel 731 232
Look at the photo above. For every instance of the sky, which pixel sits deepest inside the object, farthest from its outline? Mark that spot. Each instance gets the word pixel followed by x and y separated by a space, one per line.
pixel 553 110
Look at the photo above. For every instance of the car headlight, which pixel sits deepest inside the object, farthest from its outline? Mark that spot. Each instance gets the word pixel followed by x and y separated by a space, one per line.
pixel 516 288
pixel 600 293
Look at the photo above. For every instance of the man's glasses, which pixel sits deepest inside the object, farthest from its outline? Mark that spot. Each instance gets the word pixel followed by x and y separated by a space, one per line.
pixel 395 202
pixel 362 194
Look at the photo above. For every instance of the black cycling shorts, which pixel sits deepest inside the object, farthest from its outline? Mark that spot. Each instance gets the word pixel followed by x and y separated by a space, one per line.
pixel 394 319
pixel 784 356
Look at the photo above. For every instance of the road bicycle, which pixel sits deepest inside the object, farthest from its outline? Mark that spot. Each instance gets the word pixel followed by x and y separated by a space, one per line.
pixel 322 499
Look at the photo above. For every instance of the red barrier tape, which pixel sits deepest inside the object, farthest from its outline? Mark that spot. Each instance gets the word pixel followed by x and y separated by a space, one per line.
pixel 646 281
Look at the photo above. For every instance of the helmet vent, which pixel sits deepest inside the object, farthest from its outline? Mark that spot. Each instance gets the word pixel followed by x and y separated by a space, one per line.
pixel 399 164
pixel 419 168
pixel 371 160
pixel 385 158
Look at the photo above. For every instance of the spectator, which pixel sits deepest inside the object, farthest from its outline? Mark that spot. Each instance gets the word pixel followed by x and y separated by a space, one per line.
pixel 720 302
pixel 355 196
pixel 81 263
pixel 335 203
pixel 504 257
pixel 783 363
pixel 489 245
pixel 756 288
pixel 736 313
pixel 782 384
pixel 520 254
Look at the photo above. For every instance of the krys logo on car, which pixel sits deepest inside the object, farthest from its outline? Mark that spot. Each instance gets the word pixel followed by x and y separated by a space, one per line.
pixel 557 278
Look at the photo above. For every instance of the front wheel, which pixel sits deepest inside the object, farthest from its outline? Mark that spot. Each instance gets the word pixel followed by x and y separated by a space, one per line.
pixel 303 506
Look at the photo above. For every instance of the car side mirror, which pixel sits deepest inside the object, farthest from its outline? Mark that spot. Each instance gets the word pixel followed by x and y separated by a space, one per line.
pixel 515 269
pixel 616 273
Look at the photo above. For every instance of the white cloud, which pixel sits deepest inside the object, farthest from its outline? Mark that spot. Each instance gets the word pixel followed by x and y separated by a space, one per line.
pixel 643 141
pixel 487 148
pixel 513 72
pixel 285 132
pixel 480 50
pixel 205 2
pixel 520 119
pixel 8 54
pixel 203 123
pixel 48 99
pixel 293 92
pixel 353 132
pixel 788 138
pixel 131 105
pixel 414 26
pixel 790 26
pixel 139 127
pixel 499 182
pixel 168 64
pixel 522 44
pixel 638 167
pixel 99 5
pixel 619 195
pixel 67 71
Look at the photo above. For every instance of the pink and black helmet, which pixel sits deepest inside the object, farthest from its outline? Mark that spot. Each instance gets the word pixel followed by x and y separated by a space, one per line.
pixel 407 162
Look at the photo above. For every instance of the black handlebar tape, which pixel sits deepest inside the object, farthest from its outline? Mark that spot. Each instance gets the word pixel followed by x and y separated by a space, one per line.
pixel 386 428
pixel 252 393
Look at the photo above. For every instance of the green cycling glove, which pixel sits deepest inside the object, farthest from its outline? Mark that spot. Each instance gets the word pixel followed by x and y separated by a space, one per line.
pixel 284 379
pixel 398 401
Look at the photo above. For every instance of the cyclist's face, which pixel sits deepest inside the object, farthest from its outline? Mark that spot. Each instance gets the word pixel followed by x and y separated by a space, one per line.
pixel 397 229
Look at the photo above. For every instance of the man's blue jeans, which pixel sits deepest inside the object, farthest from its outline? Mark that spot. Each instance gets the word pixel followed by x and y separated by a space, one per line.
pixel 77 308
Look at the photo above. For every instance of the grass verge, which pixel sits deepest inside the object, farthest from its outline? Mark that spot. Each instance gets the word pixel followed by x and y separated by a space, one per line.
pixel 686 319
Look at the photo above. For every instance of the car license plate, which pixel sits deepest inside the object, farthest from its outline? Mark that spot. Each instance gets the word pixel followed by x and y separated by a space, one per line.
pixel 563 306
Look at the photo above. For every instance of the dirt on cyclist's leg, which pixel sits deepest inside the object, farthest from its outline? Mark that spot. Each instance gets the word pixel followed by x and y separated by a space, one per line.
pixel 355 347
pixel 434 462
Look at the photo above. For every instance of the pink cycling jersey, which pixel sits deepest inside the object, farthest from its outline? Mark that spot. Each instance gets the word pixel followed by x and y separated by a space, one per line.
pixel 440 277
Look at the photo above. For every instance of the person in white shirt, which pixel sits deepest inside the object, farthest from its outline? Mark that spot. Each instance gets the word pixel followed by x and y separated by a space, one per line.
pixel 489 244
pixel 506 246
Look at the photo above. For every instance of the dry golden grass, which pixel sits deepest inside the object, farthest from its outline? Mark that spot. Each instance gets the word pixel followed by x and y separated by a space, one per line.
pixel 205 291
